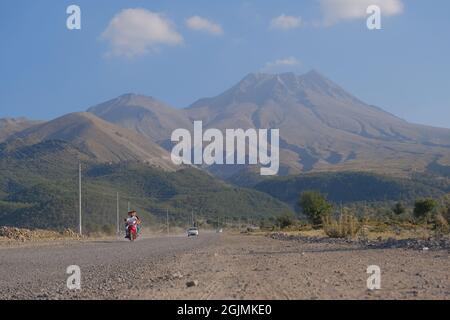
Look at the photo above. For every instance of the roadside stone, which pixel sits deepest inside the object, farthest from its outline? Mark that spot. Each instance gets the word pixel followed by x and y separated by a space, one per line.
pixel 192 283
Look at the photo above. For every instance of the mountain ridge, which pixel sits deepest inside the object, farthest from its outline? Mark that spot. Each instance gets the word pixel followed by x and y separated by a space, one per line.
pixel 101 140
pixel 145 115
pixel 9 126
pixel 322 126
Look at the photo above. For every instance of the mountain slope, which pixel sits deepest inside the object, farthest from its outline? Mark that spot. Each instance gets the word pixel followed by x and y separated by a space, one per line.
pixel 39 189
pixel 144 115
pixel 348 187
pixel 101 140
pixel 322 127
pixel 9 126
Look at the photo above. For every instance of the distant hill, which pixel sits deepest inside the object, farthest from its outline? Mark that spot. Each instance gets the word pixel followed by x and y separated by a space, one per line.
pixel 39 188
pixel 9 126
pixel 145 115
pixel 349 187
pixel 101 140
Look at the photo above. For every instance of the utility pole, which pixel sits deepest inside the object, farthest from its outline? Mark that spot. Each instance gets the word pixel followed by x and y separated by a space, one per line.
pixel 167 221
pixel 79 195
pixel 117 208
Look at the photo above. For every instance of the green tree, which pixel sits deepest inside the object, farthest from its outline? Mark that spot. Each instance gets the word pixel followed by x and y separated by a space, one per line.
pixel 315 206
pixel 399 208
pixel 423 207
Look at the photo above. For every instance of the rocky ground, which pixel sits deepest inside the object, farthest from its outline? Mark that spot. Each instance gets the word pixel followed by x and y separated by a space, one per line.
pixel 10 235
pixel 431 243
pixel 246 267
pixel 225 266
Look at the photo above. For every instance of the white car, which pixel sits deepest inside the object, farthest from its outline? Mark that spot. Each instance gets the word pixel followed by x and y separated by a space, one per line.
pixel 192 232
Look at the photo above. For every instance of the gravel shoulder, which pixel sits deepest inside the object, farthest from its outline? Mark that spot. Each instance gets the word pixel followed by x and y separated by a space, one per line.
pixel 222 266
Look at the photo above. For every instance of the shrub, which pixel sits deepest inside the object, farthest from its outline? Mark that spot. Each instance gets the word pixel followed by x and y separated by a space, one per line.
pixel 446 207
pixel 423 207
pixel 285 220
pixel 398 209
pixel 347 226
pixel 315 206
pixel 440 224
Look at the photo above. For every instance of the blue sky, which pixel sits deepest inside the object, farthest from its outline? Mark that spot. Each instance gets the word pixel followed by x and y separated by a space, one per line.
pixel 201 48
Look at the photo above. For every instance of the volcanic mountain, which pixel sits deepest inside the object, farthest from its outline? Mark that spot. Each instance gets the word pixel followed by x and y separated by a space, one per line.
pixel 322 127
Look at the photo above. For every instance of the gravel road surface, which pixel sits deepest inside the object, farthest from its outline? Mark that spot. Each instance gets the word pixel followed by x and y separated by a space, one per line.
pixel 220 266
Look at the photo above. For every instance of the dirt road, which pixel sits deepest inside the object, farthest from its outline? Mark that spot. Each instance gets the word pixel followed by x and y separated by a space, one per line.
pixel 221 266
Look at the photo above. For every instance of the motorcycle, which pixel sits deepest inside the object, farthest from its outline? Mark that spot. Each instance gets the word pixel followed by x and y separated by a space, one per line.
pixel 132 232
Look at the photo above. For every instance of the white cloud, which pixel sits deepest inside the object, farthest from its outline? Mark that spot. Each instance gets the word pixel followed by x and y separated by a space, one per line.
pixel 135 32
pixel 284 22
pixel 286 62
pixel 338 10
pixel 202 24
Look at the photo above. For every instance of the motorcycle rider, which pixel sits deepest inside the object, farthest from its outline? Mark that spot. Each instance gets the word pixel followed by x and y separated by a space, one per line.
pixel 130 221
pixel 138 221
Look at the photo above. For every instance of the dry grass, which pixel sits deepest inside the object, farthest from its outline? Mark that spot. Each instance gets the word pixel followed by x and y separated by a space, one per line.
pixel 8 234
pixel 347 226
